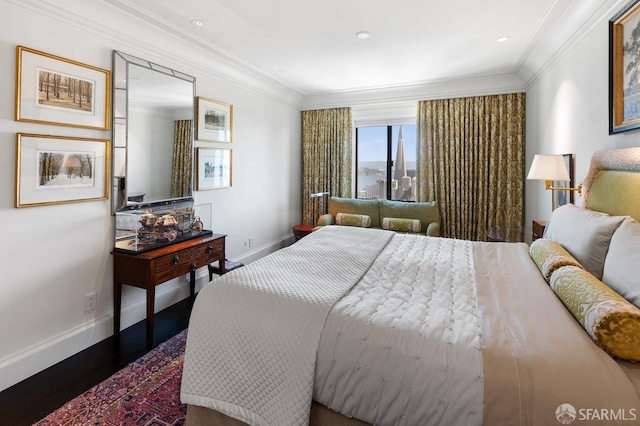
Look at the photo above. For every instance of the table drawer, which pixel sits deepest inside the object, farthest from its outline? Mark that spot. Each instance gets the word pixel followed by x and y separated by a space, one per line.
pixel 183 261
pixel 176 260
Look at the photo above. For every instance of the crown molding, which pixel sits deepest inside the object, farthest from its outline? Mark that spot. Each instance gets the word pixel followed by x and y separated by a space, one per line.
pixel 128 26
pixel 583 18
pixel 477 86
pixel 161 43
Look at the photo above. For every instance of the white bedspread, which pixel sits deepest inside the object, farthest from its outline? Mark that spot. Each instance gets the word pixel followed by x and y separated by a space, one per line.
pixel 416 307
pixel 254 332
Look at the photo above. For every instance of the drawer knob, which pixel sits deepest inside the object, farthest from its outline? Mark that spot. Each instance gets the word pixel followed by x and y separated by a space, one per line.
pixel 176 259
pixel 194 266
pixel 209 248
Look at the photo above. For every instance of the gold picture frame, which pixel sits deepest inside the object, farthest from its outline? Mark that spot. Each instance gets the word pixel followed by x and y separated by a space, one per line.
pixel 214 168
pixel 55 90
pixel 215 121
pixel 624 69
pixel 60 169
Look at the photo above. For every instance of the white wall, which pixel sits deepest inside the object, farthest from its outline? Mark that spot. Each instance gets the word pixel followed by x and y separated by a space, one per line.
pixel 52 256
pixel 568 107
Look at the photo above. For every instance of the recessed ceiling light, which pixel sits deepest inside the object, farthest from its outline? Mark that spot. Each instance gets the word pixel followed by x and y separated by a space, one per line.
pixel 502 39
pixel 363 34
pixel 197 22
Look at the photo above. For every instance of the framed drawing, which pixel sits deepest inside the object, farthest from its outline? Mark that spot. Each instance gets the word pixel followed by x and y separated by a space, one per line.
pixel 58 170
pixel 215 121
pixel 624 69
pixel 55 90
pixel 562 197
pixel 213 168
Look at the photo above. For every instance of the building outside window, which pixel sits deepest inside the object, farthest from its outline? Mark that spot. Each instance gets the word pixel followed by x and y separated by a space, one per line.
pixel 386 162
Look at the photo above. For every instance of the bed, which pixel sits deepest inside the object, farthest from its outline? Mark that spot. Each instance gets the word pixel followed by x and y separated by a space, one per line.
pixel 355 326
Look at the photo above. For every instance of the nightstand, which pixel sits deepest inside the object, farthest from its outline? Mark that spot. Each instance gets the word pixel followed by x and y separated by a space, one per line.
pixel 300 231
pixel 508 234
pixel 538 228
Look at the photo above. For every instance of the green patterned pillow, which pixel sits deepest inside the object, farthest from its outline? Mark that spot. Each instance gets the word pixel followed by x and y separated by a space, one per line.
pixel 401 225
pixel 350 219
pixel 612 322
pixel 549 256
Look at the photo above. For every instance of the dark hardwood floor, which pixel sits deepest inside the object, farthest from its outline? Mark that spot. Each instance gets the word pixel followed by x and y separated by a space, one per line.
pixel 34 398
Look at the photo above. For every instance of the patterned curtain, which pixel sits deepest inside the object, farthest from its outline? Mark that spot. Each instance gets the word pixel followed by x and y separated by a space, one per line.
pixel 471 155
pixel 182 168
pixel 326 158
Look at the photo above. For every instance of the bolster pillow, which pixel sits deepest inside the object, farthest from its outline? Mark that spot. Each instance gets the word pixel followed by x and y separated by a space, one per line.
pixel 401 224
pixel 612 322
pixel 550 256
pixel 350 219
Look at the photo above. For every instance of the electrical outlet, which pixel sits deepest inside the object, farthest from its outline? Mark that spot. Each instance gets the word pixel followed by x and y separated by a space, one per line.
pixel 251 242
pixel 89 302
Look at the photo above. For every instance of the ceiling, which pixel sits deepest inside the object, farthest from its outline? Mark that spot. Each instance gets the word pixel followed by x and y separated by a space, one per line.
pixel 312 48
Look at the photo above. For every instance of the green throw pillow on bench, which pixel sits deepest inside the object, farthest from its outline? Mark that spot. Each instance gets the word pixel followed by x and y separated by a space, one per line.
pixel 401 225
pixel 351 219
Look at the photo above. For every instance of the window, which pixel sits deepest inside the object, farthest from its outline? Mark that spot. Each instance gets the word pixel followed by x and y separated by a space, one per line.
pixel 386 161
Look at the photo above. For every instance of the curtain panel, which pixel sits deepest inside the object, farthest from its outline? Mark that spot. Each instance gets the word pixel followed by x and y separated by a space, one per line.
pixel 182 168
pixel 471 159
pixel 326 158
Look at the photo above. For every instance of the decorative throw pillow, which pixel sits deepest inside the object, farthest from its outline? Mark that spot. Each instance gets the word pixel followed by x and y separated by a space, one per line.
pixel 584 233
pixel 622 264
pixel 611 321
pixel 351 219
pixel 549 256
pixel 401 225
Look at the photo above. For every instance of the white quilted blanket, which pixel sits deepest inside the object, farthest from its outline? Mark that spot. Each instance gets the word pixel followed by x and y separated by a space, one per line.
pixel 416 307
pixel 254 332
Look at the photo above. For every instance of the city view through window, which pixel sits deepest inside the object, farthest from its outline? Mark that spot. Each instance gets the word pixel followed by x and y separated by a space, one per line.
pixel 386 159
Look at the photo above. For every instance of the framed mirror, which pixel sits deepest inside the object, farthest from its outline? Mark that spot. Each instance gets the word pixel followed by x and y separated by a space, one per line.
pixel 153 127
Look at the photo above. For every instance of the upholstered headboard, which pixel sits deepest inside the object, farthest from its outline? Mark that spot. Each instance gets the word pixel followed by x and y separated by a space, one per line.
pixel 612 184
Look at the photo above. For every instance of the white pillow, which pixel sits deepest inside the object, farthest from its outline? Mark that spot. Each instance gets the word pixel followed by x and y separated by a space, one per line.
pixel 584 233
pixel 622 265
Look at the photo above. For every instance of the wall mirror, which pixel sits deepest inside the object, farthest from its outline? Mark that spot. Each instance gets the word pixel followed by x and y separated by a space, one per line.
pixel 153 116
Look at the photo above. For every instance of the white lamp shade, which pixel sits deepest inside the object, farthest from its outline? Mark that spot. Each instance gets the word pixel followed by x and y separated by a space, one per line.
pixel 548 167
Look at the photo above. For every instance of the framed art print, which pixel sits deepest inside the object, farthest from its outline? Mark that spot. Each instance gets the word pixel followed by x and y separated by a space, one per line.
pixel 624 69
pixel 215 121
pixel 213 168
pixel 55 90
pixel 59 169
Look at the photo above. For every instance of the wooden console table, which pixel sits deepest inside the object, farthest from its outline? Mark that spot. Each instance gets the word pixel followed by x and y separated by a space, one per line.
pixel 151 268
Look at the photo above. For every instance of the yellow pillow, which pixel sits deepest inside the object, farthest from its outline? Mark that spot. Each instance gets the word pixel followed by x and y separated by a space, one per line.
pixel 612 322
pixel 401 225
pixel 549 256
pixel 350 219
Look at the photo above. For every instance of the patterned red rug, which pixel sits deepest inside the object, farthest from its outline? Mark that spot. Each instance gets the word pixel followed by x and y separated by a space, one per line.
pixel 146 392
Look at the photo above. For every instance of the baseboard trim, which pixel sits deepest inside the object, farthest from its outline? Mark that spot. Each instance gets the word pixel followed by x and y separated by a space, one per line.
pixel 37 358
pixel 24 364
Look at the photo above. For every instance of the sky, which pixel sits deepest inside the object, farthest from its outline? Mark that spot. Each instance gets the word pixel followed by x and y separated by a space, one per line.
pixel 372 142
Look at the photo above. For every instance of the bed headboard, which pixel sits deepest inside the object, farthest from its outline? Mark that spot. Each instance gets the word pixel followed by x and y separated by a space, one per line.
pixel 612 184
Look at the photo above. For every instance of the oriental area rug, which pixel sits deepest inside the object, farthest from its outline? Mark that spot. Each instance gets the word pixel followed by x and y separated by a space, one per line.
pixel 146 393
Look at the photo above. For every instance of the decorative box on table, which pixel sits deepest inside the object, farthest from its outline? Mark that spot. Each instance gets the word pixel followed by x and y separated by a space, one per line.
pixel 145 227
